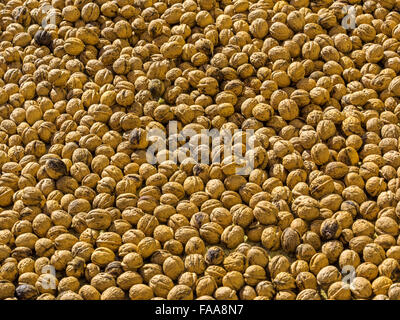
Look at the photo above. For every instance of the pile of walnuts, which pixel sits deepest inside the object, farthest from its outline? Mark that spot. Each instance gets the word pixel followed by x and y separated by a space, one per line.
pixel 85 215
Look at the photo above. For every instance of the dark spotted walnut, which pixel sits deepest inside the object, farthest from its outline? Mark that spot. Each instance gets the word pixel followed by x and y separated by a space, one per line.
pixel 43 38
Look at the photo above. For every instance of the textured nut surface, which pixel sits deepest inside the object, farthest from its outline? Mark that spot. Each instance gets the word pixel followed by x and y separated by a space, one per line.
pixel 112 188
